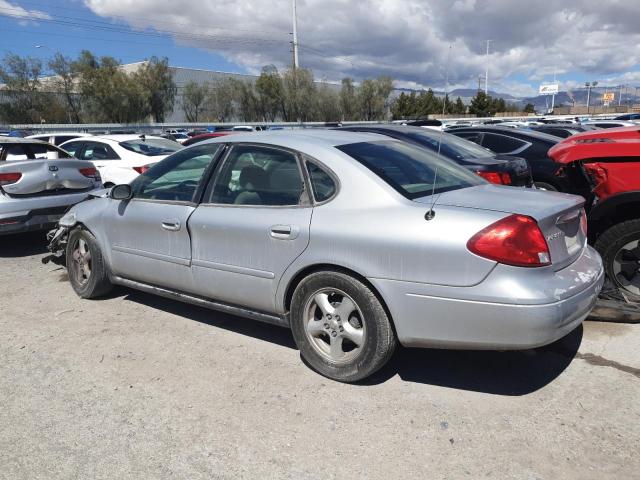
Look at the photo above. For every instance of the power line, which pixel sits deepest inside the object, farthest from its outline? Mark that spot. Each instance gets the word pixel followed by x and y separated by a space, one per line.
pixel 147 17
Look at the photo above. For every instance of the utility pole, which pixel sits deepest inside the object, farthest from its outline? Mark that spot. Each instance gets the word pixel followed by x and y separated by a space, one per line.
pixel 486 75
pixel 295 36
pixel 620 95
pixel 553 97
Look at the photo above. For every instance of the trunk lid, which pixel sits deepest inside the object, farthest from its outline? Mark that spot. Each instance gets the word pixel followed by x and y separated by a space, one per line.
pixel 559 215
pixel 46 176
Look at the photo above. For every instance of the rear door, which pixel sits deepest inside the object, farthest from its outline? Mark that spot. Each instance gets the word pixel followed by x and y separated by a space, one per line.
pixel 253 223
pixel 149 234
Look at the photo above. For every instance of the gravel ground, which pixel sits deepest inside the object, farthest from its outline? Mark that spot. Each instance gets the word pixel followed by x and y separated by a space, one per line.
pixel 135 386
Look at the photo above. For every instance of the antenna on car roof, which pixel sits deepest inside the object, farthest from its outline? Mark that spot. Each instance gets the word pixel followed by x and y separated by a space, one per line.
pixel 431 213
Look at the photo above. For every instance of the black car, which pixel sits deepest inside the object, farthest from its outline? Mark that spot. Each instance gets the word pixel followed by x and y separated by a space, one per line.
pixel 562 130
pixel 628 116
pixel 533 146
pixel 506 170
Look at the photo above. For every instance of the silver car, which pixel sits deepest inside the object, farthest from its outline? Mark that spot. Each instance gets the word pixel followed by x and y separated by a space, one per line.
pixel 38 183
pixel 353 240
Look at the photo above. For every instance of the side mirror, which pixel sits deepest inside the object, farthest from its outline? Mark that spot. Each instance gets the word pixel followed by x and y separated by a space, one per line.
pixel 121 192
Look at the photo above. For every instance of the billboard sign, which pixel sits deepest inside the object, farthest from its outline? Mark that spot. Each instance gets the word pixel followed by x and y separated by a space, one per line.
pixel 548 89
pixel 608 97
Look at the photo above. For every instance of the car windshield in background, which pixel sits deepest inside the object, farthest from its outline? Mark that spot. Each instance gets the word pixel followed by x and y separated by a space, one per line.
pixel 409 169
pixel 451 146
pixel 151 146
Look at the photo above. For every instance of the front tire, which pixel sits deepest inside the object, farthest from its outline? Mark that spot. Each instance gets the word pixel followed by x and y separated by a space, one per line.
pixel 340 326
pixel 86 266
pixel 619 247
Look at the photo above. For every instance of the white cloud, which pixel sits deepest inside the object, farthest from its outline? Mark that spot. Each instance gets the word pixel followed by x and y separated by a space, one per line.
pixel 407 40
pixel 24 16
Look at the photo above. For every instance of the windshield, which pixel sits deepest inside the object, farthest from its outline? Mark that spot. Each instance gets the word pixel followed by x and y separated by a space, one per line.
pixel 451 146
pixel 151 146
pixel 409 169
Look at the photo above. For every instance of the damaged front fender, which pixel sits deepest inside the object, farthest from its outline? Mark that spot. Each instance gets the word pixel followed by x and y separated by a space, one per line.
pixel 57 245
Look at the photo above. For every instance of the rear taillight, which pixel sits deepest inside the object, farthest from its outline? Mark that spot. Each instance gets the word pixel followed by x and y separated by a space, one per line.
pixel 499 178
pixel 514 240
pixel 90 172
pixel 142 169
pixel 583 222
pixel 9 178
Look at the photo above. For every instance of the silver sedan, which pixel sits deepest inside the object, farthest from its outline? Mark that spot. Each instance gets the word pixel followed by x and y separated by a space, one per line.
pixel 355 241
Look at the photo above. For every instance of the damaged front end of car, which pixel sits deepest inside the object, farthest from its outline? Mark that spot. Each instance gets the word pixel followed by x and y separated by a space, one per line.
pixel 57 239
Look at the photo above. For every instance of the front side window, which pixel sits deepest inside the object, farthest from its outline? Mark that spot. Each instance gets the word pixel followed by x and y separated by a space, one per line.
pixel 409 169
pixel 151 147
pixel 175 178
pixel 256 175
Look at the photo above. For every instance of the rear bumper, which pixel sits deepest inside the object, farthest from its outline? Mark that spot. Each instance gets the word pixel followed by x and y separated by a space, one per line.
pixel 19 215
pixel 449 321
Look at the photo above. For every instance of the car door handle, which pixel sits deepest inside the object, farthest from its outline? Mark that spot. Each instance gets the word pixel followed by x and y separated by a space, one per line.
pixel 171 225
pixel 284 232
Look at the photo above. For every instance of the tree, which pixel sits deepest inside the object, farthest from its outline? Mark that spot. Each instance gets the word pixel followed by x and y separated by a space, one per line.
pixel 221 101
pixel 529 108
pixel 108 93
pixel 65 83
pixel 193 100
pixel 21 79
pixel 299 94
pixel 348 101
pixel 327 104
pixel 459 107
pixel 159 88
pixel 270 93
pixel 480 105
pixel 247 100
pixel 373 97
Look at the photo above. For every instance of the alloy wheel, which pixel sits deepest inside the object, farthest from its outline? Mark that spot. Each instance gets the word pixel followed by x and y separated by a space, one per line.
pixel 81 257
pixel 626 267
pixel 334 325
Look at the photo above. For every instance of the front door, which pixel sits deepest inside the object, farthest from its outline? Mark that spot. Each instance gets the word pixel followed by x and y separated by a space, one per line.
pixel 148 234
pixel 253 223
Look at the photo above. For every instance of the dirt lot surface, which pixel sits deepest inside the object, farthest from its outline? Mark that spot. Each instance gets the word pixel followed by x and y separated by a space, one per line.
pixel 135 386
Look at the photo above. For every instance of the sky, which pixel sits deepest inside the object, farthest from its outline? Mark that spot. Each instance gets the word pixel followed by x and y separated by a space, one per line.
pixel 419 43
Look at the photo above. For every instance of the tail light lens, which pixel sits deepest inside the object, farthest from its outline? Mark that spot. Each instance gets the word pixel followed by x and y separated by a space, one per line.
pixel 499 178
pixel 583 222
pixel 514 240
pixel 9 178
pixel 90 173
pixel 142 169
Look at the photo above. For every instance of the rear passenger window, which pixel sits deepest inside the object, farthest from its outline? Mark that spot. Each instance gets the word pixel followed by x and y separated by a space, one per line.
pixel 73 148
pixel 258 176
pixel 322 184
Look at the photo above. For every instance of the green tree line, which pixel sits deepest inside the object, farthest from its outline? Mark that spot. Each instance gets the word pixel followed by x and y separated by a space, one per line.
pixel 91 89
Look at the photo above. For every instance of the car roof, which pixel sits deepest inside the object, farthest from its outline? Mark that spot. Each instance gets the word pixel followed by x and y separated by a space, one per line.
pixel 298 138
pixel 53 134
pixel 117 137
pixel 514 132
pixel 8 140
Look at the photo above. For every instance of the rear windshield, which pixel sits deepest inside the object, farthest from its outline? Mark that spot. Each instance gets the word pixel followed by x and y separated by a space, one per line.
pixel 33 151
pixel 151 146
pixel 451 146
pixel 409 169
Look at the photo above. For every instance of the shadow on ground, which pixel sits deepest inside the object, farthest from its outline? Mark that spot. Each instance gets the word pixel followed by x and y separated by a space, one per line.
pixel 23 244
pixel 252 328
pixel 499 373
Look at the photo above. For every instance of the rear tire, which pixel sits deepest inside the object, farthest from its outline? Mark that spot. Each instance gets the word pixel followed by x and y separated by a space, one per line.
pixel 340 326
pixel 86 267
pixel 545 186
pixel 619 247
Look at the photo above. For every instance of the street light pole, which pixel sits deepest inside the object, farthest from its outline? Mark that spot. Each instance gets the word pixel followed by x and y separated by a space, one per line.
pixel 295 36
pixel 486 75
pixel 588 85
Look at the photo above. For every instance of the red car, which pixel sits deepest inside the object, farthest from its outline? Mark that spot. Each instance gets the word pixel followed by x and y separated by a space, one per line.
pixel 610 163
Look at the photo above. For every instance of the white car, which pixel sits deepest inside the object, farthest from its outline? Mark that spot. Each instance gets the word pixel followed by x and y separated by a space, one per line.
pixel 121 158
pixel 58 138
